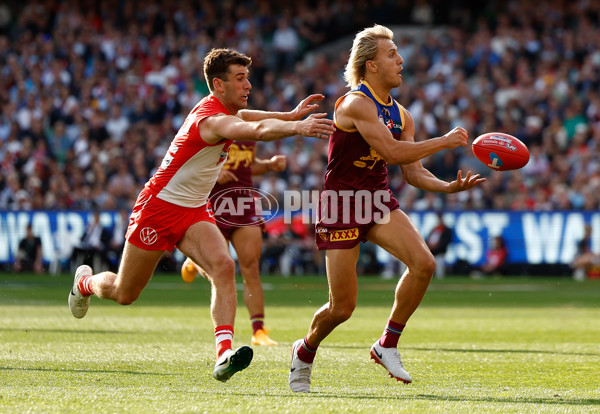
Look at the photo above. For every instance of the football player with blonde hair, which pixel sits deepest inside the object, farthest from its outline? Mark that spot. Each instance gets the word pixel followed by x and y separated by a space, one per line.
pixel 372 130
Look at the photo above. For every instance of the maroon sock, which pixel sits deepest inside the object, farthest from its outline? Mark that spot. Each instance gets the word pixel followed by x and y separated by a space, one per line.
pixel 307 352
pixel 257 322
pixel 391 334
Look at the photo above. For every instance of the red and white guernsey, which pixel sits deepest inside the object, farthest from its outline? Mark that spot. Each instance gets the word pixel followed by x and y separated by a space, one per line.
pixel 190 167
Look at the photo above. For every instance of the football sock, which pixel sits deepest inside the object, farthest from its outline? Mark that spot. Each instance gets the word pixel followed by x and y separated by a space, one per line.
pixel 257 322
pixel 85 285
pixel 307 352
pixel 391 334
pixel 223 337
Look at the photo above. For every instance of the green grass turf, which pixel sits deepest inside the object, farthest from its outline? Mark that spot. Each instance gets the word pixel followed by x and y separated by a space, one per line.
pixel 513 345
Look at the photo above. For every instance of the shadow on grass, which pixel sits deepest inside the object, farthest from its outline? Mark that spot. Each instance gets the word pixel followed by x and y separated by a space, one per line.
pixel 557 400
pixel 69 331
pixel 478 350
pixel 510 351
pixel 85 371
pixel 501 400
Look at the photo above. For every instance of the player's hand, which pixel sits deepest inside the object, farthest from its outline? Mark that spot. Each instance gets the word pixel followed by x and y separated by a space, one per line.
pixel 316 125
pixel 462 184
pixel 456 138
pixel 226 176
pixel 277 163
pixel 306 106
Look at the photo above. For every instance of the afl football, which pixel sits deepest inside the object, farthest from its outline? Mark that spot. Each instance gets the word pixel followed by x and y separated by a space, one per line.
pixel 500 151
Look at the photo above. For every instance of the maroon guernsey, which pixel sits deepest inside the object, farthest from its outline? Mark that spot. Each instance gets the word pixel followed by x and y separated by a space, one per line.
pixel 356 193
pixel 353 164
pixel 233 202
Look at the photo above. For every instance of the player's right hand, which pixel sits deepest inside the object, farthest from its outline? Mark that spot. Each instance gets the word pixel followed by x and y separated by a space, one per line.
pixel 456 138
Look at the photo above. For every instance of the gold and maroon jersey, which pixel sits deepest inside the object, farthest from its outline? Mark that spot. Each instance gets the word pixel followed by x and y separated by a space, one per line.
pixel 353 164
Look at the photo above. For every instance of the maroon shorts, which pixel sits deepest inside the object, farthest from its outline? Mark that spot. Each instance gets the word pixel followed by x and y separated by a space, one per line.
pixel 156 224
pixel 345 217
pixel 236 209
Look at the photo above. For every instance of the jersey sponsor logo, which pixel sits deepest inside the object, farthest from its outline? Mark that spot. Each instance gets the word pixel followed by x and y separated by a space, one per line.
pixel 148 235
pixel 343 235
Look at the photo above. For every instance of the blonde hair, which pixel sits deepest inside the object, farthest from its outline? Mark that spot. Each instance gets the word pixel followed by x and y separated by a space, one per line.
pixel 364 48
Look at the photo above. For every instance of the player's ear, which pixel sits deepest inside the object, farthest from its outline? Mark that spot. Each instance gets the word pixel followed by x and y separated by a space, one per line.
pixel 371 66
pixel 218 85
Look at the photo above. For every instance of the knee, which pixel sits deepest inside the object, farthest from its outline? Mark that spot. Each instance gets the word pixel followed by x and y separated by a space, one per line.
pixel 341 312
pixel 251 265
pixel 126 298
pixel 424 268
pixel 222 270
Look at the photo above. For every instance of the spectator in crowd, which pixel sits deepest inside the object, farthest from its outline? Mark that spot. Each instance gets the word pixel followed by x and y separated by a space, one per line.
pixel 116 243
pixel 495 259
pixel 65 69
pixel 438 241
pixel 92 249
pixel 586 263
pixel 29 254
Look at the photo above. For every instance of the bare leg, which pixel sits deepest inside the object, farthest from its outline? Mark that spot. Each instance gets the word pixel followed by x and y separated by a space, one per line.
pixel 247 242
pixel 412 250
pixel 205 245
pixel 343 289
pixel 135 271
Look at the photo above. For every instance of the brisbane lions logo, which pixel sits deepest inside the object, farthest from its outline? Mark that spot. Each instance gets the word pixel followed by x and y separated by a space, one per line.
pixel 239 156
pixel 368 161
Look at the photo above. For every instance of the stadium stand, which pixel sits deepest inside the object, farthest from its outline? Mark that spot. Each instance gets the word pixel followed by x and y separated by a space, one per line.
pixel 92 92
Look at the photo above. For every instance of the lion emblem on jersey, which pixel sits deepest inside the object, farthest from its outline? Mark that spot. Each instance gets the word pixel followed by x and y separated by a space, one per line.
pixel 239 156
pixel 373 156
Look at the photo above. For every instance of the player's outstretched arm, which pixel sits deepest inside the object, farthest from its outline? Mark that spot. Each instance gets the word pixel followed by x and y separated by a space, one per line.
pixel 220 127
pixel 359 112
pixel 418 176
pixel 276 163
pixel 305 107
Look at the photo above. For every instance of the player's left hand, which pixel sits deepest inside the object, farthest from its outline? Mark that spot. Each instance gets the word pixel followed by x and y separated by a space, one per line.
pixel 306 106
pixel 462 184
pixel 277 163
pixel 226 176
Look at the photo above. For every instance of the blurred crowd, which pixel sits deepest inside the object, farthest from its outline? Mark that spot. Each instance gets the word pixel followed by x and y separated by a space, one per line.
pixel 92 92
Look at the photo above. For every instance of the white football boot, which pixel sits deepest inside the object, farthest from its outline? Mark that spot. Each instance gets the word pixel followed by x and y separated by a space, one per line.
pixel 299 378
pixel 390 359
pixel 231 362
pixel 78 303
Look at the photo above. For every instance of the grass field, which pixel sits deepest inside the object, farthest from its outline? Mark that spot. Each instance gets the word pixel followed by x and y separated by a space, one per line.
pixel 495 346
